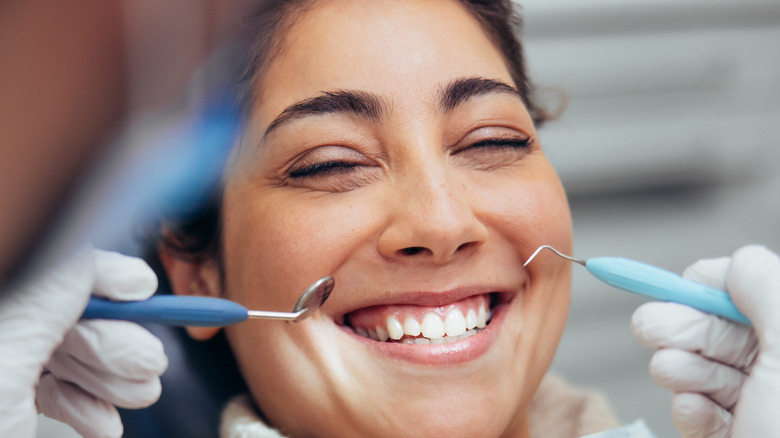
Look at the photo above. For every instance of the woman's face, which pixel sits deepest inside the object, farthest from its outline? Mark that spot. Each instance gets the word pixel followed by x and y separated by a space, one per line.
pixel 388 148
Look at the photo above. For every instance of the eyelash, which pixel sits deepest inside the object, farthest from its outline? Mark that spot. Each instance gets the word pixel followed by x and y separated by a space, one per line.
pixel 321 169
pixel 508 143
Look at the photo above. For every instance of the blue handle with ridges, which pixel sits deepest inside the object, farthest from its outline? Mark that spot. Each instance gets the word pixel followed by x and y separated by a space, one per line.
pixel 169 310
pixel 663 285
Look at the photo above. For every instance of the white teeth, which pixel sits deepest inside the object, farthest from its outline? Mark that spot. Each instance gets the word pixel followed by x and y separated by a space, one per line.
pixel 453 328
pixel 481 317
pixel 382 334
pixel 412 327
pixel 394 328
pixel 451 339
pixel 432 326
pixel 471 319
pixel 454 323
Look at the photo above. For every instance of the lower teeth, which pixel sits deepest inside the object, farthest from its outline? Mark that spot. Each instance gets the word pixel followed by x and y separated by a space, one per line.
pixel 444 340
pixel 420 339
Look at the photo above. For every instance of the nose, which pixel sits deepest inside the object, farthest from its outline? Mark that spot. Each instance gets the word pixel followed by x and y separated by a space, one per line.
pixel 431 218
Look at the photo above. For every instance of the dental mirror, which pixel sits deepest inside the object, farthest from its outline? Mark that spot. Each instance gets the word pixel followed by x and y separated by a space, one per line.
pixel 179 310
pixel 311 300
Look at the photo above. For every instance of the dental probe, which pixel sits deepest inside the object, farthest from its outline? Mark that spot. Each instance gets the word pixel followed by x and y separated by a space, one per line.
pixel 656 283
pixel 203 311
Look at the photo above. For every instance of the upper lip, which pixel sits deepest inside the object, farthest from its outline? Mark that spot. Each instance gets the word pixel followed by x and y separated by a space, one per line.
pixel 421 298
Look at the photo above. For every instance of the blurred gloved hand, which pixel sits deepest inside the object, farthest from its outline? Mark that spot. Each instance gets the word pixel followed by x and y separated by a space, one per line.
pixel 76 372
pixel 725 376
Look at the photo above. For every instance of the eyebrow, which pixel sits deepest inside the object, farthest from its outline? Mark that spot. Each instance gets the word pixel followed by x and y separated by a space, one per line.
pixel 358 103
pixel 374 107
pixel 460 90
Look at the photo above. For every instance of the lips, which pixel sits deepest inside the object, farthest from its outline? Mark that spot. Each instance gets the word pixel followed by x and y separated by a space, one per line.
pixel 452 328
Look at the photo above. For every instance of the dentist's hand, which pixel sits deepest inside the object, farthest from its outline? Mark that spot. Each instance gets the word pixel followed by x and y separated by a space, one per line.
pixel 725 376
pixel 76 372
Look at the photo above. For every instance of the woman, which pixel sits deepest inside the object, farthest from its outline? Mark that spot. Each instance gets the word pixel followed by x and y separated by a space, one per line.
pixel 391 145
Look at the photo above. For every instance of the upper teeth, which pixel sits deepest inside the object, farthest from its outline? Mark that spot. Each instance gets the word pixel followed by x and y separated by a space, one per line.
pixel 411 326
pixel 433 327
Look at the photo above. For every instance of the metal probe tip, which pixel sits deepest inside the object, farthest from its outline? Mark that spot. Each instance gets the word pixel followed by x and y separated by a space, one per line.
pixel 538 250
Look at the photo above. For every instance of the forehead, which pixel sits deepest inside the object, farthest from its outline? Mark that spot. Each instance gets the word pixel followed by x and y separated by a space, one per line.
pixel 404 50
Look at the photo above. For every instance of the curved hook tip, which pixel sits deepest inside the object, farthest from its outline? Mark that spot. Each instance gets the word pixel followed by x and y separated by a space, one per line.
pixel 560 254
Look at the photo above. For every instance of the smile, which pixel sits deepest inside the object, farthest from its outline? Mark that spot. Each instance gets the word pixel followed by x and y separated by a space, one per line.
pixel 433 328
pixel 409 324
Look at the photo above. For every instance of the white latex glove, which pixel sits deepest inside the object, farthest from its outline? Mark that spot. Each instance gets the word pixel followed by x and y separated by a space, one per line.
pixel 725 376
pixel 76 372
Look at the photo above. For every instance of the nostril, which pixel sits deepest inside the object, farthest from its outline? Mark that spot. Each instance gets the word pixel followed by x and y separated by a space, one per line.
pixel 464 245
pixel 413 250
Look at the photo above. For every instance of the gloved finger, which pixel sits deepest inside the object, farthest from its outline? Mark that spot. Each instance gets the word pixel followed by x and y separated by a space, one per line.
pixel 753 282
pixel 671 325
pixel 117 361
pixel 696 416
pixel 131 394
pixel 87 414
pixel 121 277
pixel 683 371
pixel 709 272
pixel 122 348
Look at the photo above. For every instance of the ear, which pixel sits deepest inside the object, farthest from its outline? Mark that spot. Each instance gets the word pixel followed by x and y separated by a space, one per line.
pixel 191 278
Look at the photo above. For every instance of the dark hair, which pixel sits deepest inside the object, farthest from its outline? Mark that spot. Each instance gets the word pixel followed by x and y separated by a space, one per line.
pixel 195 235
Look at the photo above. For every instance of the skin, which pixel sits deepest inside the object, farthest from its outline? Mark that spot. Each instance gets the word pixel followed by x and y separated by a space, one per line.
pixel 73 74
pixel 422 210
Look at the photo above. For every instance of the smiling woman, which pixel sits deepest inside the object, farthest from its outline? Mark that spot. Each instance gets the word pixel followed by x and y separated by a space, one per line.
pixel 392 145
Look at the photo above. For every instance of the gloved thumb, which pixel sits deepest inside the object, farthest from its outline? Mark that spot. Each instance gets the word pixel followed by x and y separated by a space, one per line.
pixel 753 281
pixel 35 317
pixel 33 321
pixel 710 272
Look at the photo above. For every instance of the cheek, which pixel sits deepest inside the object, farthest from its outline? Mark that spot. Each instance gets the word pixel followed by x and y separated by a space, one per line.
pixel 274 248
pixel 530 211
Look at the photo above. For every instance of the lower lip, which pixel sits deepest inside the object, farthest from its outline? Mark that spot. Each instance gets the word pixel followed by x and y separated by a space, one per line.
pixel 442 354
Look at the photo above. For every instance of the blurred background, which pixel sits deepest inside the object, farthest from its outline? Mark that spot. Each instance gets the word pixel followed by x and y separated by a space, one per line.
pixel 668 149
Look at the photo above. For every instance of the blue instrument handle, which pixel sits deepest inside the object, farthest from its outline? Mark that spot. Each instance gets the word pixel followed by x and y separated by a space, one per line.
pixel 663 285
pixel 169 310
